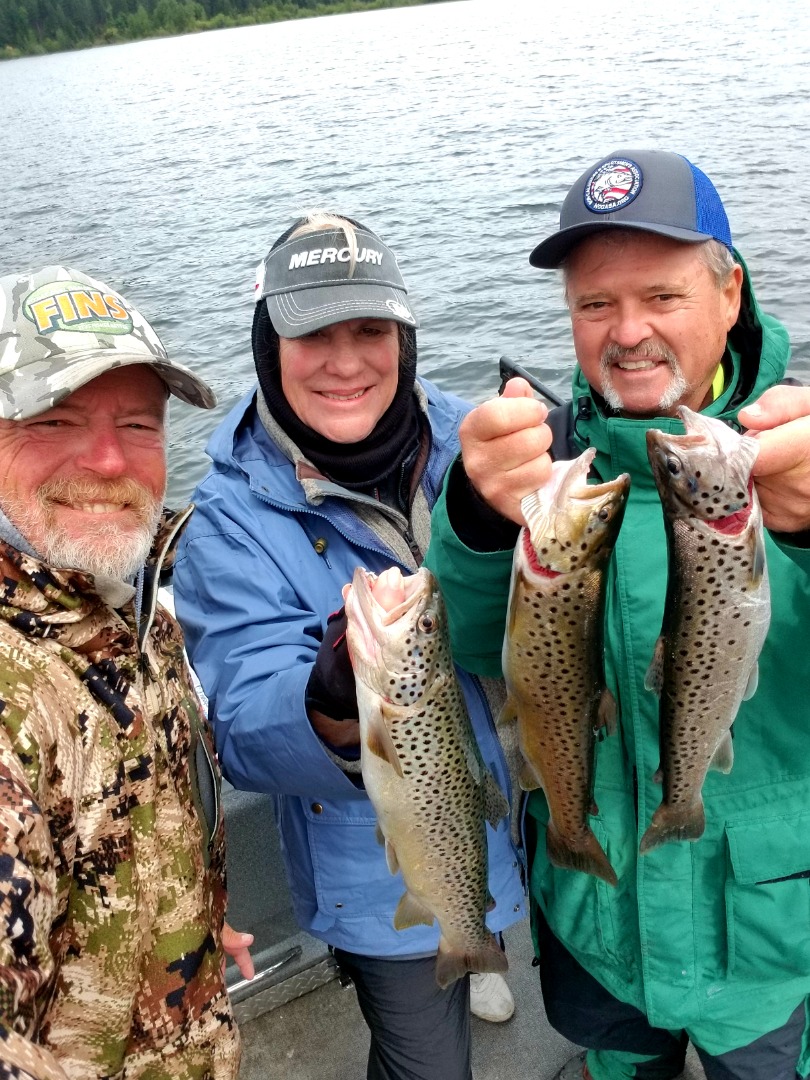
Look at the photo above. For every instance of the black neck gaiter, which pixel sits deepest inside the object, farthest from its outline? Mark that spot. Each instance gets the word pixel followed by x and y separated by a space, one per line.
pixel 362 464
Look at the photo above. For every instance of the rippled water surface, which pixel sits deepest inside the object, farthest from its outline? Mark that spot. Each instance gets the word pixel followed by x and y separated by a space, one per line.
pixel 168 167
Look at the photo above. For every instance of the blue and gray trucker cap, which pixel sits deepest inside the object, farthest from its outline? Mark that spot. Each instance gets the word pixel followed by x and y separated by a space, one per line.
pixel 650 190
pixel 318 278
pixel 60 329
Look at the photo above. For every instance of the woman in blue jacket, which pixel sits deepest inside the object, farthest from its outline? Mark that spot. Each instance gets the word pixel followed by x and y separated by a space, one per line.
pixel 333 461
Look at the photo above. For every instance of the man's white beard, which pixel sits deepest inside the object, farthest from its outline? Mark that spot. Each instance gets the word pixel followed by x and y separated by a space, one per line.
pixel 678 386
pixel 105 553
pixel 103 548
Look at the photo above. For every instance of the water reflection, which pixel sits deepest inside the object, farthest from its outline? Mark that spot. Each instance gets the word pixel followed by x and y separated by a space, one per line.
pixel 168 167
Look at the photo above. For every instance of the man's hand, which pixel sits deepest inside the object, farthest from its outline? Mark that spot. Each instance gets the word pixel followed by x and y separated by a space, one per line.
pixel 780 421
pixel 236 945
pixel 504 447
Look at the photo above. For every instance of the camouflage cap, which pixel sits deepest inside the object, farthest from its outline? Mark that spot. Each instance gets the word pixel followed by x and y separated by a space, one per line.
pixel 60 329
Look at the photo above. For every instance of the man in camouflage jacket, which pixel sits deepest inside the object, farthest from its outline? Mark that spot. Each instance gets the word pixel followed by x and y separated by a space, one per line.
pixel 112 889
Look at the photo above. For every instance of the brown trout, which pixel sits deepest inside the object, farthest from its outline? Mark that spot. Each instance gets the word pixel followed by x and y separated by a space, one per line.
pixel 422 767
pixel 552 653
pixel 716 615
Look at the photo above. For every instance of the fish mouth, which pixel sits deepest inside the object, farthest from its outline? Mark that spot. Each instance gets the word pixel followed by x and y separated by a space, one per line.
pixel 382 611
pixel 709 458
pixel 569 479
pixel 558 511
pixel 406 592
pixel 411 587
pixel 571 482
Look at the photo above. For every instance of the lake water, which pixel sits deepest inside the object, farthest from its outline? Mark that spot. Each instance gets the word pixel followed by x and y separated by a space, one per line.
pixel 168 167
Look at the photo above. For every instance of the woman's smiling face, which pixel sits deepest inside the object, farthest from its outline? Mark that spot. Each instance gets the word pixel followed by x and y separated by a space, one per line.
pixel 341 379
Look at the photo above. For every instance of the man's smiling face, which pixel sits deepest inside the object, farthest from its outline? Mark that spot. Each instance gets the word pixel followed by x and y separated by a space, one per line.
pixel 649 320
pixel 84 481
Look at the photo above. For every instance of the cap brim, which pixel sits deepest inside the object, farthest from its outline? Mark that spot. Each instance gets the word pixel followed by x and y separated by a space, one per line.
pixel 302 311
pixel 57 385
pixel 550 252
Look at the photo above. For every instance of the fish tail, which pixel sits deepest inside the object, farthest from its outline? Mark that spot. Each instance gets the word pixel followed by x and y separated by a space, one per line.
pixel 669 823
pixel 590 858
pixel 452 964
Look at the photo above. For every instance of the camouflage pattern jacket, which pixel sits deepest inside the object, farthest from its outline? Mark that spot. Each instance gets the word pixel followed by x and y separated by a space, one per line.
pixel 112 893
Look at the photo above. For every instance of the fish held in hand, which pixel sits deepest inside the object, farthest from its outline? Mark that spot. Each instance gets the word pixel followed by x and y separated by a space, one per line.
pixel 553 651
pixel 422 767
pixel 716 615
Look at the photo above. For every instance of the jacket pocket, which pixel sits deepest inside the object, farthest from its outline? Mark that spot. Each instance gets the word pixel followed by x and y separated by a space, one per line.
pixel 578 907
pixel 351 876
pixel 768 898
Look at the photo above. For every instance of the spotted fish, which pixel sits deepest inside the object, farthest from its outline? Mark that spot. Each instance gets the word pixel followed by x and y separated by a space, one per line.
pixel 552 653
pixel 716 615
pixel 422 767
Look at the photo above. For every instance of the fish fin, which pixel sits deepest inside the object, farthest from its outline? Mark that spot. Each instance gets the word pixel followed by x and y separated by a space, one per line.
pixel 528 778
pixel 606 716
pixel 391 857
pixel 669 824
pixel 510 744
pixel 379 742
pixel 379 834
pixel 723 757
pixel 412 912
pixel 758 561
pixel 658 775
pixel 752 684
pixel 490 903
pixel 496 806
pixel 654 679
pixel 508 714
pixel 591 859
pixel 475 765
pixel 452 964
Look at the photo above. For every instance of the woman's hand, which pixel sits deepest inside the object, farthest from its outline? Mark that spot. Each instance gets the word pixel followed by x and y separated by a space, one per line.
pixel 331 697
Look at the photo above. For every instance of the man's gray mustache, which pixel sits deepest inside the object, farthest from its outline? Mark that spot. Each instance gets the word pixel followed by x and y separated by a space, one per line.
pixel 612 353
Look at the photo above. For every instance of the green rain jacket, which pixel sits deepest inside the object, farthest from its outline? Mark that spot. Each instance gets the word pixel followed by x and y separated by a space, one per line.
pixel 710 936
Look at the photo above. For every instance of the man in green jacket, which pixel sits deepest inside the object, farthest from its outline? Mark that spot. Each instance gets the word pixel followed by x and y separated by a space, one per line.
pixel 706 941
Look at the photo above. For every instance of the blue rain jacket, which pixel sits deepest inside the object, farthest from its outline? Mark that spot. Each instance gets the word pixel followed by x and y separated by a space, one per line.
pixel 258 572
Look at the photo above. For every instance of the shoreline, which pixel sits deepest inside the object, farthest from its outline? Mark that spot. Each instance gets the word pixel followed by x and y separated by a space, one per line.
pixel 282 11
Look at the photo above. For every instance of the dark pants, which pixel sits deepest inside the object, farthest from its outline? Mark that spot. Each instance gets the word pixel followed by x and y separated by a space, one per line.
pixel 582 1010
pixel 418 1032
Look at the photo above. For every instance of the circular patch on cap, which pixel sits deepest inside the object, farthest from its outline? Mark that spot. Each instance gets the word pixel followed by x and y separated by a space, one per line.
pixel 612 185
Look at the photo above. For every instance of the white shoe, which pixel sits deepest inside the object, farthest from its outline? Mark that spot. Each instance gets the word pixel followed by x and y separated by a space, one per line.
pixel 490 997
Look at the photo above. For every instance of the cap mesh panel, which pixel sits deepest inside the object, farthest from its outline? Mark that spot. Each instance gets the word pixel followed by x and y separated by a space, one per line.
pixel 711 217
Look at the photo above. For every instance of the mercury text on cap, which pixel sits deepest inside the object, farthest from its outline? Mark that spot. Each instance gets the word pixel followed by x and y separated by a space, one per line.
pixel 316 256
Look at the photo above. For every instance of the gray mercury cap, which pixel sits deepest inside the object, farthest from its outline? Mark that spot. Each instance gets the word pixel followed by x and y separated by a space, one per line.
pixel 317 279
pixel 650 190
pixel 60 329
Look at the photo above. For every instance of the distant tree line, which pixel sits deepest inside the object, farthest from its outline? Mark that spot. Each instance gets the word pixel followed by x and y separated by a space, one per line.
pixel 38 26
